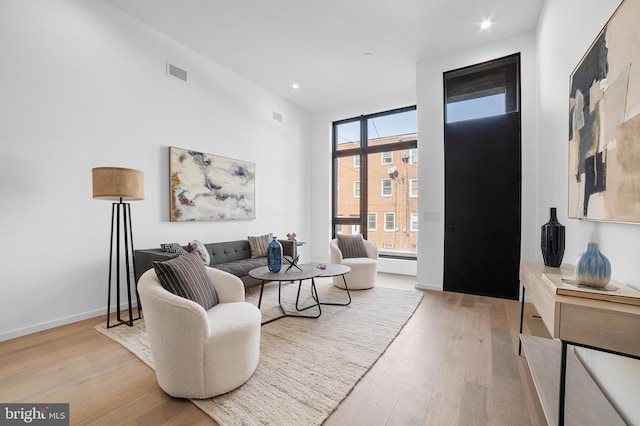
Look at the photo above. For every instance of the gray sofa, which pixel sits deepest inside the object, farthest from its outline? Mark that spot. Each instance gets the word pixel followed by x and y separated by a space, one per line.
pixel 230 256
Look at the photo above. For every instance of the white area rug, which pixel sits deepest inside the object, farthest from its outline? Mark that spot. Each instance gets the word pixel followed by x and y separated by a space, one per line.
pixel 307 366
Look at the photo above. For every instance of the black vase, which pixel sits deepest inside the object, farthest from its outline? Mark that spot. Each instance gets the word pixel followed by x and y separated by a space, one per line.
pixel 552 240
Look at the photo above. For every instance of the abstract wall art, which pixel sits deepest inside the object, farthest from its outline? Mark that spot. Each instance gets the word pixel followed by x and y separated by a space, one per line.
pixel 210 187
pixel 604 123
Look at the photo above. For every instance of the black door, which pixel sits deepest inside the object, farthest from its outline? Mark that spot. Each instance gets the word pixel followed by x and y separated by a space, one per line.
pixel 482 205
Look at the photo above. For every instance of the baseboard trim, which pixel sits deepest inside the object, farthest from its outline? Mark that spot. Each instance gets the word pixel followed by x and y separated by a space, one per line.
pixel 56 323
pixel 429 287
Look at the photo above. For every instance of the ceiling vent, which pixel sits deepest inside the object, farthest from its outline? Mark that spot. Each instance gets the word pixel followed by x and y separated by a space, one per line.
pixel 176 72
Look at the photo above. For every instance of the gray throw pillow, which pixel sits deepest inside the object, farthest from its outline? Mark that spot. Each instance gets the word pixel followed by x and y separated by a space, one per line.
pixel 172 248
pixel 258 245
pixel 351 245
pixel 197 246
pixel 186 276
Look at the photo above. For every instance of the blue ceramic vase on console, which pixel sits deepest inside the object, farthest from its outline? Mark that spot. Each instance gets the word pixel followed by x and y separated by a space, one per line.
pixel 274 256
pixel 552 240
pixel 593 269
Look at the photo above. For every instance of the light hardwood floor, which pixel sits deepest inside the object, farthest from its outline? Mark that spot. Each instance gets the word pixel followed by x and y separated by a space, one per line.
pixel 454 363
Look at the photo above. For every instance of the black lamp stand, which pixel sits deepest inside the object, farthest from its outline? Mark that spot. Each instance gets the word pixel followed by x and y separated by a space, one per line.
pixel 121 222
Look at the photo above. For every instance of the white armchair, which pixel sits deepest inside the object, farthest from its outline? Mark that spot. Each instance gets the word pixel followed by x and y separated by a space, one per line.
pixel 198 353
pixel 363 269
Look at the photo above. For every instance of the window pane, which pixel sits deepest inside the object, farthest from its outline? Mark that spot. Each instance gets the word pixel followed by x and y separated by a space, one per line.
pixel 391 197
pixel 390 222
pixel 414 155
pixel 414 221
pixel 347 189
pixel 392 128
pixel 413 188
pixel 372 222
pixel 387 188
pixel 391 173
pixel 347 135
pixel 482 91
pixel 487 106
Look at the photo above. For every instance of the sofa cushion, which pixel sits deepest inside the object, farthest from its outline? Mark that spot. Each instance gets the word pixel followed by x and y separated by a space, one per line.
pixel 351 245
pixel 186 276
pixel 259 245
pixel 241 268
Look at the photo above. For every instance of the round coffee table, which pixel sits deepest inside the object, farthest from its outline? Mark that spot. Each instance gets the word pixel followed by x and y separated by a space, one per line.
pixel 306 272
pixel 333 270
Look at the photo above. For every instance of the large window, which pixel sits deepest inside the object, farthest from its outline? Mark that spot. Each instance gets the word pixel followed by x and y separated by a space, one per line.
pixel 380 152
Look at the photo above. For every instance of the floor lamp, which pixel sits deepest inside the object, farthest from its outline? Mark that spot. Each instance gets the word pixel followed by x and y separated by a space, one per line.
pixel 118 184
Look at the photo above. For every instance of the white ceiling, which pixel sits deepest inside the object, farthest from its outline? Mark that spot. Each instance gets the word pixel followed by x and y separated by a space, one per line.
pixel 321 45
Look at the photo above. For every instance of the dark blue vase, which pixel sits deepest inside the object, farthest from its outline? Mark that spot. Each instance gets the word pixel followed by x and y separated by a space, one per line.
pixel 593 269
pixel 552 240
pixel 274 256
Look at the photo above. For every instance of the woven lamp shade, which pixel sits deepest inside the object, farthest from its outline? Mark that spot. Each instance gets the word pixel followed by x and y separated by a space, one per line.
pixel 117 182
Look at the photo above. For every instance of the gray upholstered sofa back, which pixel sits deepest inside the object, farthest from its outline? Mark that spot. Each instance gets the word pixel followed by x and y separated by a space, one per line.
pixel 229 256
pixel 228 251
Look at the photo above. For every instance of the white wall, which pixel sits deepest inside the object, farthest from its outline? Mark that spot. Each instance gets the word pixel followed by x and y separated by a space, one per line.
pixel 84 85
pixel 431 147
pixel 320 170
pixel 565 31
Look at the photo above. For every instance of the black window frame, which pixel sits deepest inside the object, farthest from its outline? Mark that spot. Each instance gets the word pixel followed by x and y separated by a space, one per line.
pixel 363 150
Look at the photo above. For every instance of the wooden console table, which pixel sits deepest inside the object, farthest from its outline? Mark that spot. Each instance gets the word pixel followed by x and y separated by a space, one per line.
pixel 574 321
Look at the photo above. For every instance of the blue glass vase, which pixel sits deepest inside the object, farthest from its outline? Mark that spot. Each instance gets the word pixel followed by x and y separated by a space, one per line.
pixel 593 269
pixel 274 256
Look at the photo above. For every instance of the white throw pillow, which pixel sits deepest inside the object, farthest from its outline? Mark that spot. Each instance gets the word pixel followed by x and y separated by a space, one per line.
pixel 197 246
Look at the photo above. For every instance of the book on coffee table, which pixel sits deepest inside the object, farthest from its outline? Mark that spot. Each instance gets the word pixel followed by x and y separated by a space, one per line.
pixel 615 291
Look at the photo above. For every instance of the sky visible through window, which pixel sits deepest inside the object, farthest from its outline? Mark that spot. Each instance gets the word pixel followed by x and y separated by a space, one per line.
pixel 404 123
pixel 486 106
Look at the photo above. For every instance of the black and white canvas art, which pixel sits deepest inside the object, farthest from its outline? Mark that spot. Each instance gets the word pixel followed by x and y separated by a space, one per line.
pixel 209 187
pixel 604 123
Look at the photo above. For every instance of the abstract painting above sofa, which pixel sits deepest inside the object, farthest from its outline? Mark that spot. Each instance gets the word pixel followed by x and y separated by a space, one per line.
pixel 210 187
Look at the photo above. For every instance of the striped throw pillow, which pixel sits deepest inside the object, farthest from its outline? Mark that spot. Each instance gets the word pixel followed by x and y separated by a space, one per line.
pixel 258 245
pixel 186 276
pixel 351 245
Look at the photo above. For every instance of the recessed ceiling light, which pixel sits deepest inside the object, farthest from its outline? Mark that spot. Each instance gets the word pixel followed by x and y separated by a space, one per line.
pixel 486 24
pixel 368 54
pixel 295 86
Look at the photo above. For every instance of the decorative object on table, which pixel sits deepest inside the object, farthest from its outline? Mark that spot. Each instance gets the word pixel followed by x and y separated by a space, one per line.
pixel 552 240
pixel 321 266
pixel 291 236
pixel 293 262
pixel 274 255
pixel 210 187
pixel 615 291
pixel 119 184
pixel 592 269
pixel 604 131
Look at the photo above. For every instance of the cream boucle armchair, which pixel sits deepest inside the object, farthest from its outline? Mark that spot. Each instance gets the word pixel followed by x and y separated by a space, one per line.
pixel 198 353
pixel 363 269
